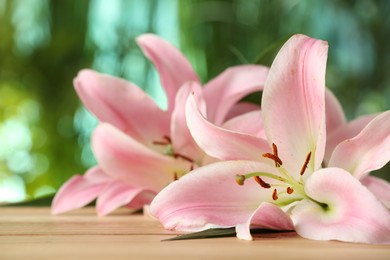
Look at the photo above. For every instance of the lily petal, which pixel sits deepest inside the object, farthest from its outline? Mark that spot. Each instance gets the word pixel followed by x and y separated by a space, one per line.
pixel 142 200
pixel 248 123
pixel 173 67
pixel 294 101
pixel 230 86
pixel 122 104
pixel 115 195
pixel 183 140
pixel 366 152
pixel 379 187
pixel 267 216
pixel 344 132
pixel 213 139
pixel 352 213
pixel 123 158
pixel 188 205
pixel 78 191
pixel 335 116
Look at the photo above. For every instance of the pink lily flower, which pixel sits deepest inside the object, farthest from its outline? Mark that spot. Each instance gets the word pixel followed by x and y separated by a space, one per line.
pixel 278 182
pixel 139 147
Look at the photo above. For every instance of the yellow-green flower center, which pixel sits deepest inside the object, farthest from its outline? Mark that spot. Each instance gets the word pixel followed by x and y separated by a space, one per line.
pixel 283 183
pixel 167 149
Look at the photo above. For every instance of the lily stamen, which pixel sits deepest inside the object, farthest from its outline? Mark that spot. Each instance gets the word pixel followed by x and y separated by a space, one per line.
pixel 288 185
pixel 167 141
pixel 178 155
pixel 240 178
pixel 275 194
pixel 275 158
pixel 284 180
pixel 262 183
pixel 275 151
pixel 307 160
pixel 167 138
pixel 160 143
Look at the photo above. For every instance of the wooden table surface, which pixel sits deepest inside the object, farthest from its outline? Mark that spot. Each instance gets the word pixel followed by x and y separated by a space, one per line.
pixel 32 233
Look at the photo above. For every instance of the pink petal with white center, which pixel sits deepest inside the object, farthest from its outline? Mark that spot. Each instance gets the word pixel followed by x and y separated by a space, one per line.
pixel 248 123
pixel 222 143
pixel 266 216
pixel 78 191
pixel 210 197
pixel 230 86
pixel 334 112
pixel 183 143
pixel 350 212
pixel 123 158
pixel 379 187
pixel 241 108
pixel 123 105
pixel 346 131
pixel 118 194
pixel 368 151
pixel 293 103
pixel 173 67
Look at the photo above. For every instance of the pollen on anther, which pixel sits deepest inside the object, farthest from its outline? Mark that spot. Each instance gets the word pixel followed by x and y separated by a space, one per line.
pixel 275 158
pixel 167 138
pixel 262 183
pixel 160 143
pixel 307 160
pixel 290 190
pixel 167 141
pixel 275 149
pixel 175 177
pixel 186 158
pixel 275 194
pixel 240 179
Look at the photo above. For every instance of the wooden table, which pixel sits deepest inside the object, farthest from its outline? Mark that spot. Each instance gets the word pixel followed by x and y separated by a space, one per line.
pixel 32 233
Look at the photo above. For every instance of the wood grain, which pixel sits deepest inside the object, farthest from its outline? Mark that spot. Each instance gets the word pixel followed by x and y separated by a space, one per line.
pixel 32 233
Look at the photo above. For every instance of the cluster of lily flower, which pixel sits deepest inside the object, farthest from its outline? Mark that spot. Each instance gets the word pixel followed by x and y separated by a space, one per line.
pixel 210 160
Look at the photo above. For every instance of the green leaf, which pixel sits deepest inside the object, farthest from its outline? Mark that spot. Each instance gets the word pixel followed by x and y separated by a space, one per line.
pixel 208 233
pixel 222 232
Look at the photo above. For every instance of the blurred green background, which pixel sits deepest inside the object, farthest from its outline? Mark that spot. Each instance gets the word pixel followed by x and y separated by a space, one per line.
pixel 45 131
